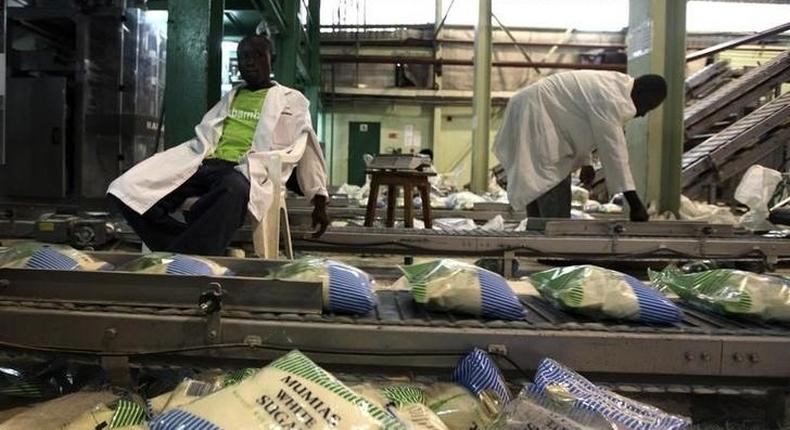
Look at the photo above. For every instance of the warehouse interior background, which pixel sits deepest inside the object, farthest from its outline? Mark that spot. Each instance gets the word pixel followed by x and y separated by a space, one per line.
pixel 91 88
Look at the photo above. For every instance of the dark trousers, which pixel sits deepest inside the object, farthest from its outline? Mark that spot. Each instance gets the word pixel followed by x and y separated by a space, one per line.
pixel 210 223
pixel 555 203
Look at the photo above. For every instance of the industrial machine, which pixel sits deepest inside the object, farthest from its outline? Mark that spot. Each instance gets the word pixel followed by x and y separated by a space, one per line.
pixel 92 75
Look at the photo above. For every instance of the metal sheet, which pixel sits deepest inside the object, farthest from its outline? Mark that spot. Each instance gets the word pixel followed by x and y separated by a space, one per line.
pixel 627 228
pixel 404 335
pixel 755 357
pixel 160 290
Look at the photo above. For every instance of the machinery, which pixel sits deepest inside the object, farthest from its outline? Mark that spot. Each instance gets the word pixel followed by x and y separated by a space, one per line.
pixel 92 75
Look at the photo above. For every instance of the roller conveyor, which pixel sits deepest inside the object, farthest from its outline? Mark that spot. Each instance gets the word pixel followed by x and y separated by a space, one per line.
pixel 620 240
pixel 398 335
pixel 737 94
pixel 706 80
pixel 750 130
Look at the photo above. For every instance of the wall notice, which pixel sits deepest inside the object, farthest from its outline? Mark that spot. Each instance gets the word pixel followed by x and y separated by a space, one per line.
pixel 639 39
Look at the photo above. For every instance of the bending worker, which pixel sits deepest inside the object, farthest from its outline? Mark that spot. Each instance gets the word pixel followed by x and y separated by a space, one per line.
pixel 223 165
pixel 552 127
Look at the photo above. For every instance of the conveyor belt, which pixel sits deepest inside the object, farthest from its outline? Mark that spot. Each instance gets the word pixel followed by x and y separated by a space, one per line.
pixel 533 244
pixel 303 213
pixel 401 334
pixel 714 152
pixel 706 79
pixel 737 94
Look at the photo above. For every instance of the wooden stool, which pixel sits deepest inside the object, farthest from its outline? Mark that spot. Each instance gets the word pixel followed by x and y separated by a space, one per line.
pixel 408 179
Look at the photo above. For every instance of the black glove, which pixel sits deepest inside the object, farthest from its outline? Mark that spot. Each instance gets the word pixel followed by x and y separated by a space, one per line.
pixel 587 176
pixel 638 211
pixel 320 216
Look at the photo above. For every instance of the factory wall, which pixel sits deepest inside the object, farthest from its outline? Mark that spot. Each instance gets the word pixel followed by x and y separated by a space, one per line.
pixel 452 130
pixel 393 118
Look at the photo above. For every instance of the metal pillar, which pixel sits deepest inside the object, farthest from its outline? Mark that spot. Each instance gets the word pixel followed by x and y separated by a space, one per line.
pixel 656 44
pixel 481 114
pixel 285 66
pixel 436 128
pixel 672 136
pixel 314 52
pixel 2 81
pixel 194 60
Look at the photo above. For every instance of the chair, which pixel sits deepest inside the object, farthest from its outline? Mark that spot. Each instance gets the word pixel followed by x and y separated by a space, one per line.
pixel 266 234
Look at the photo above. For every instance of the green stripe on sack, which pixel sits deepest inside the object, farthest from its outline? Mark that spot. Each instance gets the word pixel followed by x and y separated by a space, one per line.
pixel 419 290
pixel 405 395
pixel 295 362
pixel 127 414
pixel 237 376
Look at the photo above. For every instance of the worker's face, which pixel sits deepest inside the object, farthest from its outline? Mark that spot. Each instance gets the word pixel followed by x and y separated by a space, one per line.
pixel 255 62
pixel 645 102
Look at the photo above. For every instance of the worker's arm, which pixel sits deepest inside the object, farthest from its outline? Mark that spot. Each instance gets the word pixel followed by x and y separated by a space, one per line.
pixel 613 153
pixel 311 173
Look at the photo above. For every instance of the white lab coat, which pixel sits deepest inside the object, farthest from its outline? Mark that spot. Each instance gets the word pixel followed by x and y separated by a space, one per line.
pixel 284 117
pixel 551 128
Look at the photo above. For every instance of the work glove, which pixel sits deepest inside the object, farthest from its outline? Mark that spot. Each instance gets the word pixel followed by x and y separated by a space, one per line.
pixel 320 215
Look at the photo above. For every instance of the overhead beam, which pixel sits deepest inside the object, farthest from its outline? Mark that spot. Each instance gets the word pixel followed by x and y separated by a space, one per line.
pixel 779 29
pixel 194 60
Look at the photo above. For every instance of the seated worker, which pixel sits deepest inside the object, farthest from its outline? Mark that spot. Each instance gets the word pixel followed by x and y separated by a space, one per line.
pixel 552 127
pixel 223 165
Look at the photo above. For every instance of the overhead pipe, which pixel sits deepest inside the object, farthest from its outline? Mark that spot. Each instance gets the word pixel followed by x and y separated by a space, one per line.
pixel 374 59
pixel 707 52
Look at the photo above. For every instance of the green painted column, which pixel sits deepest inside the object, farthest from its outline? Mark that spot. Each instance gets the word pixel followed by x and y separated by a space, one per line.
pixel 481 102
pixel 313 91
pixel 194 60
pixel 657 44
pixel 287 42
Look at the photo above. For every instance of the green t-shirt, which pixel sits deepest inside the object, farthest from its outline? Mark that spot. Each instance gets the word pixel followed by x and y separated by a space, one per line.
pixel 239 127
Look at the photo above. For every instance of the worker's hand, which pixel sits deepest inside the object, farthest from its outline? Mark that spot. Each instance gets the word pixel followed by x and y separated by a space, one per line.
pixel 587 176
pixel 638 213
pixel 320 216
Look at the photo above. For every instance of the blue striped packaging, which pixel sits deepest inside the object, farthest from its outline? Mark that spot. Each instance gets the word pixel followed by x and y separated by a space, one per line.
pixel 35 255
pixel 477 372
pixel 606 294
pixel 177 419
pixel 347 290
pixel 175 264
pixel 552 376
pixel 48 258
pixel 350 289
pixel 454 286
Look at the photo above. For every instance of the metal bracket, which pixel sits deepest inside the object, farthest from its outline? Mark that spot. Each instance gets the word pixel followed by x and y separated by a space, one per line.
pixel 508 264
pixel 210 302
pixel 117 368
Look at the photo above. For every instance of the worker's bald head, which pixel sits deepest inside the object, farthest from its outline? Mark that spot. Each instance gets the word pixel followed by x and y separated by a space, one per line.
pixel 255 61
pixel 648 93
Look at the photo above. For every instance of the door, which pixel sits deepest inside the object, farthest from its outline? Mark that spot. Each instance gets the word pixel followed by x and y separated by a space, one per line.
pixel 363 138
pixel 35 163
